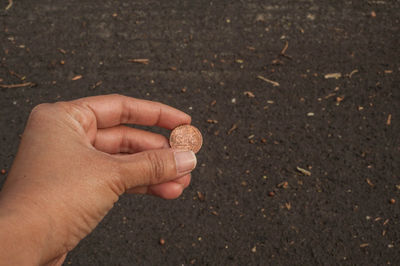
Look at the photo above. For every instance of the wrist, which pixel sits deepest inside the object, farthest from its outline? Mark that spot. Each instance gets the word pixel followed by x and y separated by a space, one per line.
pixel 22 237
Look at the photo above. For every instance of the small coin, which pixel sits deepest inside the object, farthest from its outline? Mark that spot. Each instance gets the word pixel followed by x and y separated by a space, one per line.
pixel 186 137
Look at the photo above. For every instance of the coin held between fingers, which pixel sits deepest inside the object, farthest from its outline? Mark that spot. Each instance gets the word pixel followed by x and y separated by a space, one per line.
pixel 186 137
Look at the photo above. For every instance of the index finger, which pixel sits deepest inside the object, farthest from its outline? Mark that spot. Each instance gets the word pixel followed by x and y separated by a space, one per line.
pixel 112 110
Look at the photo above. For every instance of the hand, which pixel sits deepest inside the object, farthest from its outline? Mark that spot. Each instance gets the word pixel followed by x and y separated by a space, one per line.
pixel 74 161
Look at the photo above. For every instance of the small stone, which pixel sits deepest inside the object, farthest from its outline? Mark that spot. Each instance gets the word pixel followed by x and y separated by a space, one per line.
pixel 201 196
pixel 339 99
pixel 284 185
pixel 271 194
pixel 254 249
pixel 392 201
pixel 3 171
pixel 162 241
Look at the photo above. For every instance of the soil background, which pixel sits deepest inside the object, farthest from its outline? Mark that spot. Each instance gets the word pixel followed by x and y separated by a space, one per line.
pixel 205 58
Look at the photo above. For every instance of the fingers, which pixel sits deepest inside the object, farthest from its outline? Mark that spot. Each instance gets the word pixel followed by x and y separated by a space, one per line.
pixel 168 190
pixel 112 110
pixel 155 167
pixel 123 139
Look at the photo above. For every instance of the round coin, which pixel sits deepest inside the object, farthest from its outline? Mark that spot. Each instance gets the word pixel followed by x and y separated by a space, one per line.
pixel 186 137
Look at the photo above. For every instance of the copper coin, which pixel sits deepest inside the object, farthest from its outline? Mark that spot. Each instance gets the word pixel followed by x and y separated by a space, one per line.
pixel 186 137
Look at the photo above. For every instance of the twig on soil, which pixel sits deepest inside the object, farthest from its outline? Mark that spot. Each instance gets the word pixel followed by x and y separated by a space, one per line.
pixel 16 75
pixel 140 61
pixel 77 77
pixel 285 48
pixel 303 171
pixel 389 120
pixel 249 94
pixel 370 182
pixel 10 3
pixel 333 75
pixel 274 83
pixel 353 72
pixel 234 127
pixel 11 86
pixel 98 83
pixel 330 95
pixel 283 52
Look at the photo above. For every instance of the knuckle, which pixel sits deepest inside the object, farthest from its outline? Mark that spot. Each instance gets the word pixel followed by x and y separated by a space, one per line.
pixel 116 180
pixel 156 167
pixel 39 112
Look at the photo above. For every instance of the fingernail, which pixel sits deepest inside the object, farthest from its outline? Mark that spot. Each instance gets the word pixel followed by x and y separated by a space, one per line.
pixel 185 161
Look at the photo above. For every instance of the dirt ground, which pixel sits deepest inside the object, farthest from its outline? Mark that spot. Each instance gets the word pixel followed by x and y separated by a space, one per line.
pixel 298 103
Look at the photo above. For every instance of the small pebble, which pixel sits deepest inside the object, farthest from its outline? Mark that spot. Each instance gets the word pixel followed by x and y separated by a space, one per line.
pixel 162 241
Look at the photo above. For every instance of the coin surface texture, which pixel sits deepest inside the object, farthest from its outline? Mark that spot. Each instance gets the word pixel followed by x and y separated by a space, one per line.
pixel 186 137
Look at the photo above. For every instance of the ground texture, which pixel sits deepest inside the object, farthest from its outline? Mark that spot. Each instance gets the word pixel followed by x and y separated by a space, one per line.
pixel 298 103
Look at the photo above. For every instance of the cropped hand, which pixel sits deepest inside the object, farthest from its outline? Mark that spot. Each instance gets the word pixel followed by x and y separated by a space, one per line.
pixel 74 161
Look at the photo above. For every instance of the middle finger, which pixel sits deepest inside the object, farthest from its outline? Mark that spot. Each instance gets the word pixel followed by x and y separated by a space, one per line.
pixel 123 139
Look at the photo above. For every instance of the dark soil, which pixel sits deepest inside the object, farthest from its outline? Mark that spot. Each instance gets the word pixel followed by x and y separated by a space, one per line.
pixel 344 131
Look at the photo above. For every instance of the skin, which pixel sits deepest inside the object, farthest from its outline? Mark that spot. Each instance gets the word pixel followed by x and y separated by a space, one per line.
pixel 74 161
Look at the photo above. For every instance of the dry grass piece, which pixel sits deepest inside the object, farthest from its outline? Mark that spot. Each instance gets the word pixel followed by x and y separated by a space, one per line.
pixel 249 94
pixel 233 128
pixel 369 182
pixel 274 83
pixel 212 121
pixel 303 171
pixel 11 86
pixel 77 77
pixel 333 75
pixel 10 3
pixel 143 61
pixel 389 120
pixel 353 72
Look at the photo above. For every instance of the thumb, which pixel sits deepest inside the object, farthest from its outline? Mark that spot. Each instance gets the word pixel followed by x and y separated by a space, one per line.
pixel 155 167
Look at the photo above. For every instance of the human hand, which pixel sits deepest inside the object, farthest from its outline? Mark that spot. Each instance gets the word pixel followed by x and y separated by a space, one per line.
pixel 74 161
